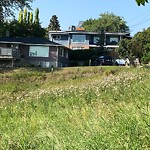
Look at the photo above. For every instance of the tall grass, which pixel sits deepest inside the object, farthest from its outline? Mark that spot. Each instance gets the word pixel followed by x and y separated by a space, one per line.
pixel 80 108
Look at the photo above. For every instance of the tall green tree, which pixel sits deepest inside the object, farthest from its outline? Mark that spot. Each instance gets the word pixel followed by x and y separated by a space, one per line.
pixel 24 26
pixel 31 18
pixel 54 24
pixel 36 19
pixel 25 15
pixel 20 20
pixel 109 22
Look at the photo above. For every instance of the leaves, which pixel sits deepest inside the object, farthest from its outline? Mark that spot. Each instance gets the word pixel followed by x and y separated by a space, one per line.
pixel 109 22
pixel 54 24
pixel 141 2
pixel 10 5
pixel 24 26
pixel 138 46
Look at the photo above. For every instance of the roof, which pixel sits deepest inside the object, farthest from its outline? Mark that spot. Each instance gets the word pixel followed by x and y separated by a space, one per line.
pixel 73 32
pixel 86 32
pixel 28 41
pixel 117 33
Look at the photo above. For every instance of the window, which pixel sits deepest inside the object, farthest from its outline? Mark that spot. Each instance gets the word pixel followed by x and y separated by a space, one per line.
pixel 61 52
pixel 6 51
pixel 38 51
pixel 113 40
pixel 79 38
pixel 56 37
pixel 66 54
pixel 96 38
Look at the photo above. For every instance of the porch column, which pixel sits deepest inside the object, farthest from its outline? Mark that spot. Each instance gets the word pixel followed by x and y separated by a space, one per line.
pixel 12 63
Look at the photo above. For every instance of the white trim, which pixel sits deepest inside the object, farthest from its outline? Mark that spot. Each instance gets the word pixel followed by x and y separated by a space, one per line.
pixel 40 44
pixel 116 33
pixel 111 46
pixel 94 46
pixel 4 42
pixel 7 42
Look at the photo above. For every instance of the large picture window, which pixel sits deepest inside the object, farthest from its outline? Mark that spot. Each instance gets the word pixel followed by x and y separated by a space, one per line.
pixel 79 38
pixel 38 51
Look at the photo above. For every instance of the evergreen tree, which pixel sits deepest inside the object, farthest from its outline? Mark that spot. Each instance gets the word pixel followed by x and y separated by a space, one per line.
pixel 28 18
pixel 20 17
pixel 24 26
pixel 25 15
pixel 36 19
pixel 31 18
pixel 54 24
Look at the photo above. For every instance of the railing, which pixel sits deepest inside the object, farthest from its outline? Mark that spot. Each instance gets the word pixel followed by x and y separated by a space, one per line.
pixel 5 51
pixel 9 53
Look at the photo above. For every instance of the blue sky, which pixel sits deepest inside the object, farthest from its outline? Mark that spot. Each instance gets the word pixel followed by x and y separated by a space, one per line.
pixel 70 12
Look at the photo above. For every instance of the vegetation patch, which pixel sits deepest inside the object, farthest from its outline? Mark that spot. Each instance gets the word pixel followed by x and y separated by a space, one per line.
pixel 76 108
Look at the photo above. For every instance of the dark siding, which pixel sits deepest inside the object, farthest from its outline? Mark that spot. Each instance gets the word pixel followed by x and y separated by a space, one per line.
pixel 53 54
pixel 63 60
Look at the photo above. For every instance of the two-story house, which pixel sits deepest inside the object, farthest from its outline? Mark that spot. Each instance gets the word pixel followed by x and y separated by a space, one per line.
pixel 78 38
pixel 81 39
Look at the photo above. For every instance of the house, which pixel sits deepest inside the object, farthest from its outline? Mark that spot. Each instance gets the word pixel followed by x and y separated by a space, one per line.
pixel 31 51
pixel 78 38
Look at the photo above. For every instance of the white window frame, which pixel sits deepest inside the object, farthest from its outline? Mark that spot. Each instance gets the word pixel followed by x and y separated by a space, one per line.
pixel 34 50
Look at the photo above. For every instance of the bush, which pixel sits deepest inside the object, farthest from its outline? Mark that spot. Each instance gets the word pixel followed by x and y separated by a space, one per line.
pixel 146 58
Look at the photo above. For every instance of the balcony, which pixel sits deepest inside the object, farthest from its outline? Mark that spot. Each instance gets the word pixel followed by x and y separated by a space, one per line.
pixel 9 53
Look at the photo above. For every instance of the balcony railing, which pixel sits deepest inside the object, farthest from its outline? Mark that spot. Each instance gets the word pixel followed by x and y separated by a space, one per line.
pixel 9 53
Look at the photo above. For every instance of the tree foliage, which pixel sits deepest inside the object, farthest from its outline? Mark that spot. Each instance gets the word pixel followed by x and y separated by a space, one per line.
pixel 25 15
pixel 36 19
pixel 138 46
pixel 24 26
pixel 1 15
pixel 54 24
pixel 109 22
pixel 10 5
pixel 141 2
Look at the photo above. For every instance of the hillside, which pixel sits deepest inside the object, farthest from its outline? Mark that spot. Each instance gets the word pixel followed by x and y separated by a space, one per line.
pixel 75 108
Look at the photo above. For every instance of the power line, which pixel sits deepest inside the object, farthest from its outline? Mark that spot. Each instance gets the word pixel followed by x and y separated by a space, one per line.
pixel 137 17
pixel 141 22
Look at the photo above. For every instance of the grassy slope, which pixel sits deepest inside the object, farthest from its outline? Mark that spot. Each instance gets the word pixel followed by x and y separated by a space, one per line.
pixel 75 108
